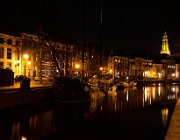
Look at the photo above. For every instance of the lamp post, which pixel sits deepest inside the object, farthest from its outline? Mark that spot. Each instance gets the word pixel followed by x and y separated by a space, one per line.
pixel 28 63
pixel 77 66
pixel 101 69
pixel 25 57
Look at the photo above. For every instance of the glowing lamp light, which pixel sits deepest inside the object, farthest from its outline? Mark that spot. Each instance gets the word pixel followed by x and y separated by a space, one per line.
pixel 29 63
pixel 25 56
pixel 77 66
pixel 23 138
pixel 101 68
pixel 110 71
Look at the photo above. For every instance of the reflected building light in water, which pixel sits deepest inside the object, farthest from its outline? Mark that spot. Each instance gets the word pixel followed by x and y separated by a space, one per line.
pixel 177 92
pixel 93 106
pixel 164 113
pixel 143 96
pixel 35 123
pixel 23 138
pixel 153 93
pixel 121 105
pixel 159 91
pixel 150 100
pixel 143 100
pixel 15 132
pixel 173 89
pixel 127 96
pixel 171 97
pixel 147 95
pixel 115 106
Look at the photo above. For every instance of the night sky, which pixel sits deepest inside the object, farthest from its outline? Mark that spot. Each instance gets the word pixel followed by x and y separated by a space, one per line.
pixel 134 24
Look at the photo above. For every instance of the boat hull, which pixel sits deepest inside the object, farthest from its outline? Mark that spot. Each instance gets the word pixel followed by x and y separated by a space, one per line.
pixel 70 90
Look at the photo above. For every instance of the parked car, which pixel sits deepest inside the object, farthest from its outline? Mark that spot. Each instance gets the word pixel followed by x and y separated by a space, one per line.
pixel 18 78
pixel 44 78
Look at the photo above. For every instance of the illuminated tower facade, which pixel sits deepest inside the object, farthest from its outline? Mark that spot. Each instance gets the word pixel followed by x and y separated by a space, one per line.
pixel 165 45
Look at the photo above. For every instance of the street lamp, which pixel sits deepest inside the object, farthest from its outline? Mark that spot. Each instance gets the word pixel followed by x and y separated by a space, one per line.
pixel 25 56
pixel 101 69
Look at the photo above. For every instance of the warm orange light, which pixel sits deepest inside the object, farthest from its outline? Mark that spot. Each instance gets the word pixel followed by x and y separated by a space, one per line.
pixel 77 66
pixel 110 71
pixel 25 56
pixel 29 63
pixel 101 68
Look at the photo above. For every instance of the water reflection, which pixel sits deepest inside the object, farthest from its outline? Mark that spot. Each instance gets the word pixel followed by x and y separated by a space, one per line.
pixel 139 110
pixel 164 113
pixel 39 125
pixel 134 98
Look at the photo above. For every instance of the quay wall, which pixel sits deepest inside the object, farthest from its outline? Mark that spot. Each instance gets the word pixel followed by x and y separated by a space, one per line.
pixel 18 98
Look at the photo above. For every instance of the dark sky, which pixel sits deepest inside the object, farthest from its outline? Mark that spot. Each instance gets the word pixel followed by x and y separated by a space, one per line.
pixel 134 24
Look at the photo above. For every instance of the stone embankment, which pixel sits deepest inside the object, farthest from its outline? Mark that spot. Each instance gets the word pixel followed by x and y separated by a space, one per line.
pixel 16 97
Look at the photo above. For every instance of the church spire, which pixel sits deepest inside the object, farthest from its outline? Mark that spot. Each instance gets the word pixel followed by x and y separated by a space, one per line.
pixel 165 45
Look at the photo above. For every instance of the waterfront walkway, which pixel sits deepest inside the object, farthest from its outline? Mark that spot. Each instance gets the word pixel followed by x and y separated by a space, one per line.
pixel 33 84
pixel 173 132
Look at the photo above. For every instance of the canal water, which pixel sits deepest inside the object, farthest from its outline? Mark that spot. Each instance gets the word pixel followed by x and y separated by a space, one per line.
pixel 141 113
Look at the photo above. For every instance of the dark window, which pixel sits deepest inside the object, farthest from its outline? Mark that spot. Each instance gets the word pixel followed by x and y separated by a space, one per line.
pixel 17 54
pixel 17 43
pixel 1 52
pixel 9 53
pixel 9 42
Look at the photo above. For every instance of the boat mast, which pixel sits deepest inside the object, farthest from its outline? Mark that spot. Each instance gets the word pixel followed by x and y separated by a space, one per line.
pixel 83 38
pixel 101 33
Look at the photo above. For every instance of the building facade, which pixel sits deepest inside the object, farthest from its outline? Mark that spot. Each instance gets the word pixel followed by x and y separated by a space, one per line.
pixel 10 53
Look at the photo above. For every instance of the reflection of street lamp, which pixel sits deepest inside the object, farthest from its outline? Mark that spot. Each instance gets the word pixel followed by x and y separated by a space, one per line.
pixel 25 56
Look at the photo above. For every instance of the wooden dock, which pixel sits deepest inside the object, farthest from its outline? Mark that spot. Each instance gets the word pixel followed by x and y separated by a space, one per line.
pixel 173 132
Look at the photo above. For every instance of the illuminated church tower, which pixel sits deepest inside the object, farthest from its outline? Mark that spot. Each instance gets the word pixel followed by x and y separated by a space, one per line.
pixel 165 46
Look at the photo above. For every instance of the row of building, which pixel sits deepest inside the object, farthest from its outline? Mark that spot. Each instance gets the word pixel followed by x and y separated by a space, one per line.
pixel 34 56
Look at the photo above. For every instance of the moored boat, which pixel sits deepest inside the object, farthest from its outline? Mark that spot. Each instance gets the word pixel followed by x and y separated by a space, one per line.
pixel 67 90
pixel 130 84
